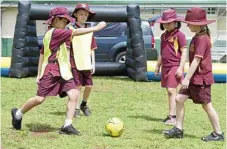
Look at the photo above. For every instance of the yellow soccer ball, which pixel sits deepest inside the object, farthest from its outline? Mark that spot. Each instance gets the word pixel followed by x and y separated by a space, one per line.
pixel 114 127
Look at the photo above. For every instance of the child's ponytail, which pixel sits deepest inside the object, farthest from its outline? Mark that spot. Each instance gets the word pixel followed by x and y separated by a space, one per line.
pixel 207 30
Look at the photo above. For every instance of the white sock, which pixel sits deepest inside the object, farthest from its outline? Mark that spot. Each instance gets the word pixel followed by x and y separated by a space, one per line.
pixel 78 105
pixel 68 122
pixel 19 114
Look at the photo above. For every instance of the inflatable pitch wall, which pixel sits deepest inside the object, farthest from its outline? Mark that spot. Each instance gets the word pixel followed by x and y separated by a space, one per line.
pixel 25 52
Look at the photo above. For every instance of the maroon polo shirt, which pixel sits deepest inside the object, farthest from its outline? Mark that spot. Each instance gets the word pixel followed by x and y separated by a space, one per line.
pixel 93 47
pixel 59 36
pixel 171 57
pixel 200 46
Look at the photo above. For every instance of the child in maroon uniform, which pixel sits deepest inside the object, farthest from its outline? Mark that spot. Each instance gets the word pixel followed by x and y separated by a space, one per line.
pixel 172 59
pixel 82 14
pixel 54 70
pixel 197 83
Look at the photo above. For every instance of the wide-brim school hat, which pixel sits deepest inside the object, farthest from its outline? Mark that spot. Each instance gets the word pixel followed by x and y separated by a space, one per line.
pixel 168 16
pixel 84 7
pixel 197 16
pixel 61 12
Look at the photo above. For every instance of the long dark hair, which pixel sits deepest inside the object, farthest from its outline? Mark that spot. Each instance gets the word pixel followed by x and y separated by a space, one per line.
pixel 178 26
pixel 207 30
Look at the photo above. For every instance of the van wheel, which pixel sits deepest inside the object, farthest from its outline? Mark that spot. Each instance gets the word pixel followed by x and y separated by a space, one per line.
pixel 121 57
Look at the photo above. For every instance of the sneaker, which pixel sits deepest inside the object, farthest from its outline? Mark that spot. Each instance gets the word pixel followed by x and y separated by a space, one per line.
pixel 77 113
pixel 170 120
pixel 213 137
pixel 173 133
pixel 85 110
pixel 69 130
pixel 15 122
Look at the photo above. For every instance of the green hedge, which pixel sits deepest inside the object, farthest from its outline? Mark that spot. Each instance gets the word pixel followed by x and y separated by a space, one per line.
pixel 7 47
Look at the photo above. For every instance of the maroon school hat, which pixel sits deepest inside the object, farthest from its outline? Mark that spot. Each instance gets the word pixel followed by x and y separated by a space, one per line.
pixel 61 12
pixel 168 16
pixel 85 7
pixel 197 16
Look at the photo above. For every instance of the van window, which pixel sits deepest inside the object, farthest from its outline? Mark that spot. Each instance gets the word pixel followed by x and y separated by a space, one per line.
pixel 116 29
pixel 112 30
pixel 146 28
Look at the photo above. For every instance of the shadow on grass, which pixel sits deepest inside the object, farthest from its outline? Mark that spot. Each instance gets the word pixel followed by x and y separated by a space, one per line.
pixel 58 113
pixel 42 128
pixel 105 134
pixel 159 131
pixel 148 118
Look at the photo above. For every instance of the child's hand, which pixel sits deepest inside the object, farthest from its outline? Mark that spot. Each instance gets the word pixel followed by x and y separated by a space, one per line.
pixel 185 83
pixel 179 72
pixel 93 69
pixel 156 72
pixel 37 79
pixel 100 25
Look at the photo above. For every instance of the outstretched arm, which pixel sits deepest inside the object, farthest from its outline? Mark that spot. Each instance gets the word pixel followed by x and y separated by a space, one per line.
pixel 81 31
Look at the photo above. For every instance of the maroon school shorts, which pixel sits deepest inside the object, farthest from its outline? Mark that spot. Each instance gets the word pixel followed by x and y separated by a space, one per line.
pixel 200 94
pixel 83 78
pixel 168 77
pixel 50 85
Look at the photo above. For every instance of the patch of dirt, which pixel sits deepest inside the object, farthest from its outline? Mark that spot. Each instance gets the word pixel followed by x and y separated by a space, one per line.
pixel 39 133
pixel 42 133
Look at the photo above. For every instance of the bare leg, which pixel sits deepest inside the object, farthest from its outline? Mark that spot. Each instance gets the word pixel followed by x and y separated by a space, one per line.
pixel 31 103
pixel 213 116
pixel 83 105
pixel 72 103
pixel 78 100
pixel 180 100
pixel 87 92
pixel 18 113
pixel 71 107
pixel 172 92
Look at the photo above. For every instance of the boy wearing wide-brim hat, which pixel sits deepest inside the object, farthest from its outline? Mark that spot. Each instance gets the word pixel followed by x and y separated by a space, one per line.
pixel 173 55
pixel 83 58
pixel 84 7
pixel 54 70
pixel 197 83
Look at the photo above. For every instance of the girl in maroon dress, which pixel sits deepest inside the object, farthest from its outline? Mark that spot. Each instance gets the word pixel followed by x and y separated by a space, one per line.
pixel 197 83
pixel 172 59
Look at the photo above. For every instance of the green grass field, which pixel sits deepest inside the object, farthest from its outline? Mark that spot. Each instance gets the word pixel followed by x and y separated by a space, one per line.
pixel 141 106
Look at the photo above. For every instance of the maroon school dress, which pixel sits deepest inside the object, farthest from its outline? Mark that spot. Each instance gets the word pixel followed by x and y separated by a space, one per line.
pixel 171 57
pixel 199 89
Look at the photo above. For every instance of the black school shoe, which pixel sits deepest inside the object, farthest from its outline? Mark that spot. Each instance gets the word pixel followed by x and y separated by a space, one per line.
pixel 85 110
pixel 173 133
pixel 69 130
pixel 213 137
pixel 15 122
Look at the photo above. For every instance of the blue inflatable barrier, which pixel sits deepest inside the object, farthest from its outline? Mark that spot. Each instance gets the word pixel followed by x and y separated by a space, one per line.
pixel 5 72
pixel 218 78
